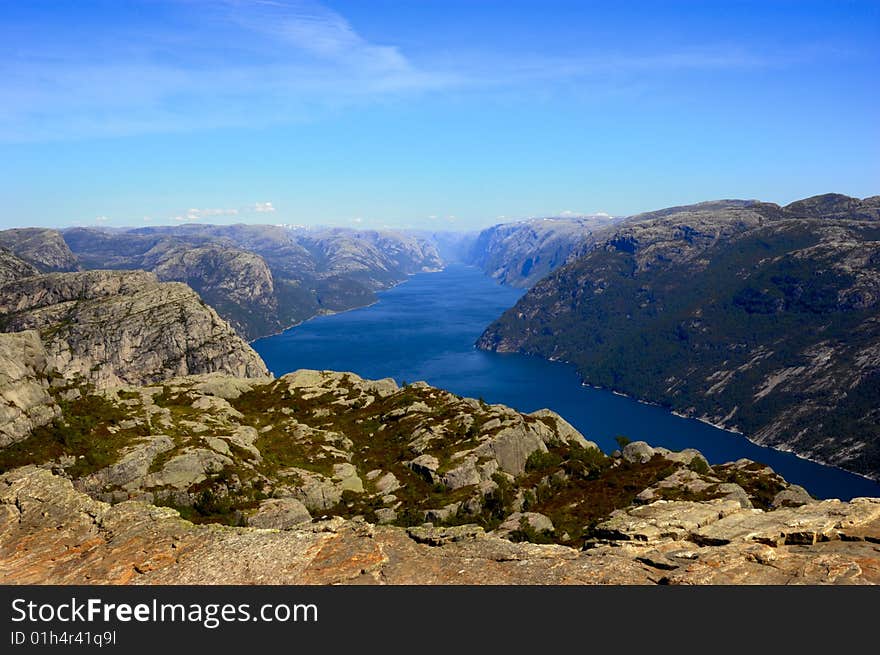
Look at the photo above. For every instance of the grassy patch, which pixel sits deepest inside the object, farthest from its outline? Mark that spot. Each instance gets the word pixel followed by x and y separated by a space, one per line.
pixel 82 431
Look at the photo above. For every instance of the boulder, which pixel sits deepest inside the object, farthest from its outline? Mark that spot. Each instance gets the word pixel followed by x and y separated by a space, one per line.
pixel 131 469
pixel 346 477
pixel 387 483
pixel 280 514
pixel 192 466
pixel 315 491
pixel 511 448
pixel 732 491
pixel 793 496
pixel 538 523
pixel 637 452
pixel 425 466
pixel 463 475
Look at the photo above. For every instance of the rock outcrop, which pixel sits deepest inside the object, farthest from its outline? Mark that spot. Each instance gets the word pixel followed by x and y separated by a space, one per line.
pixel 13 268
pixel 117 327
pixel 50 533
pixel 751 316
pixel 322 477
pixel 25 379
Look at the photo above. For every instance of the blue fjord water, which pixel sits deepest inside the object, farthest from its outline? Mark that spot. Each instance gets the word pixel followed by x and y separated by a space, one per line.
pixel 425 329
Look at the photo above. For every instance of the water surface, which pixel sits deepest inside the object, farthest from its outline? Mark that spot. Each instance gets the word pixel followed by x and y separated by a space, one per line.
pixel 425 329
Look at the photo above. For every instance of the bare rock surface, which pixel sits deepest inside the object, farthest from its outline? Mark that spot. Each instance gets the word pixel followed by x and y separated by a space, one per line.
pixel 122 327
pixel 50 533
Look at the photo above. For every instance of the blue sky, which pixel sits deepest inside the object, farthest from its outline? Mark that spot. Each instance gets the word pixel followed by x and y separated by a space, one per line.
pixel 443 114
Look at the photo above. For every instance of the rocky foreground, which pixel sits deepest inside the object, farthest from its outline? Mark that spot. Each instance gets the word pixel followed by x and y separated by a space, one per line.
pixel 324 477
pixel 50 533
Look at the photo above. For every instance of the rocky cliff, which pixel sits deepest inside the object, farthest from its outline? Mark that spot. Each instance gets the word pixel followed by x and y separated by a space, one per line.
pixel 43 248
pixel 324 477
pixel 520 254
pixel 753 316
pixel 26 377
pixel 13 268
pixel 113 327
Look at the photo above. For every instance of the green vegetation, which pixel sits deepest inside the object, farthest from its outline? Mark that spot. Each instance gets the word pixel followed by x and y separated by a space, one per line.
pixel 698 465
pixel 303 433
pixel 88 430
pixel 745 308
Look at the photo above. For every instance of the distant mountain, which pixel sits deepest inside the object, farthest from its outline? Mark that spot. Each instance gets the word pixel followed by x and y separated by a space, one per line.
pixel 262 278
pixel 747 314
pixel 451 246
pixel 520 254
pixel 43 248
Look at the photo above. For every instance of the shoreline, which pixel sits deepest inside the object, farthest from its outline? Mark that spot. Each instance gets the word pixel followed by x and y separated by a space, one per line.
pixel 782 449
pixel 341 311
pixel 701 419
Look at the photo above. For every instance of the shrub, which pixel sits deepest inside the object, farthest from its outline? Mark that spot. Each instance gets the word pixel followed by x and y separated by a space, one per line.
pixel 538 461
pixel 698 465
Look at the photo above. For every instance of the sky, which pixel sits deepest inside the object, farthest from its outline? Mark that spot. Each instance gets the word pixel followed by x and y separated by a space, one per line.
pixel 439 114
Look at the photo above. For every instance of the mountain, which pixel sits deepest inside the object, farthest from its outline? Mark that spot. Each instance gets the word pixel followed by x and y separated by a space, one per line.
pixel 263 278
pixel 746 314
pixel 45 249
pixel 325 477
pixel 520 254
pixel 13 268
pixel 114 327
pixel 451 246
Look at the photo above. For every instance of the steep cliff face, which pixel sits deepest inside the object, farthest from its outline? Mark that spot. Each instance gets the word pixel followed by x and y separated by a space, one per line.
pixel 43 248
pixel 236 283
pixel 520 254
pixel 753 316
pixel 25 381
pixel 377 257
pixel 408 485
pixel 113 327
pixel 13 268
pixel 263 278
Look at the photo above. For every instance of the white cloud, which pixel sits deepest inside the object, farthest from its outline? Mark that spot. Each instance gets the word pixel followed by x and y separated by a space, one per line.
pixel 196 214
pixel 263 207
pixel 101 219
pixel 568 213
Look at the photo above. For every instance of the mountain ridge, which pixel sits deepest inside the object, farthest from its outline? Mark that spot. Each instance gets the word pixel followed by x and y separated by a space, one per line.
pixel 746 314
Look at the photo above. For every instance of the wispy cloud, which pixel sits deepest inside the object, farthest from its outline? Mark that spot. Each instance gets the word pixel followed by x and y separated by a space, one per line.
pixel 209 213
pixel 199 214
pixel 234 63
pixel 217 64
